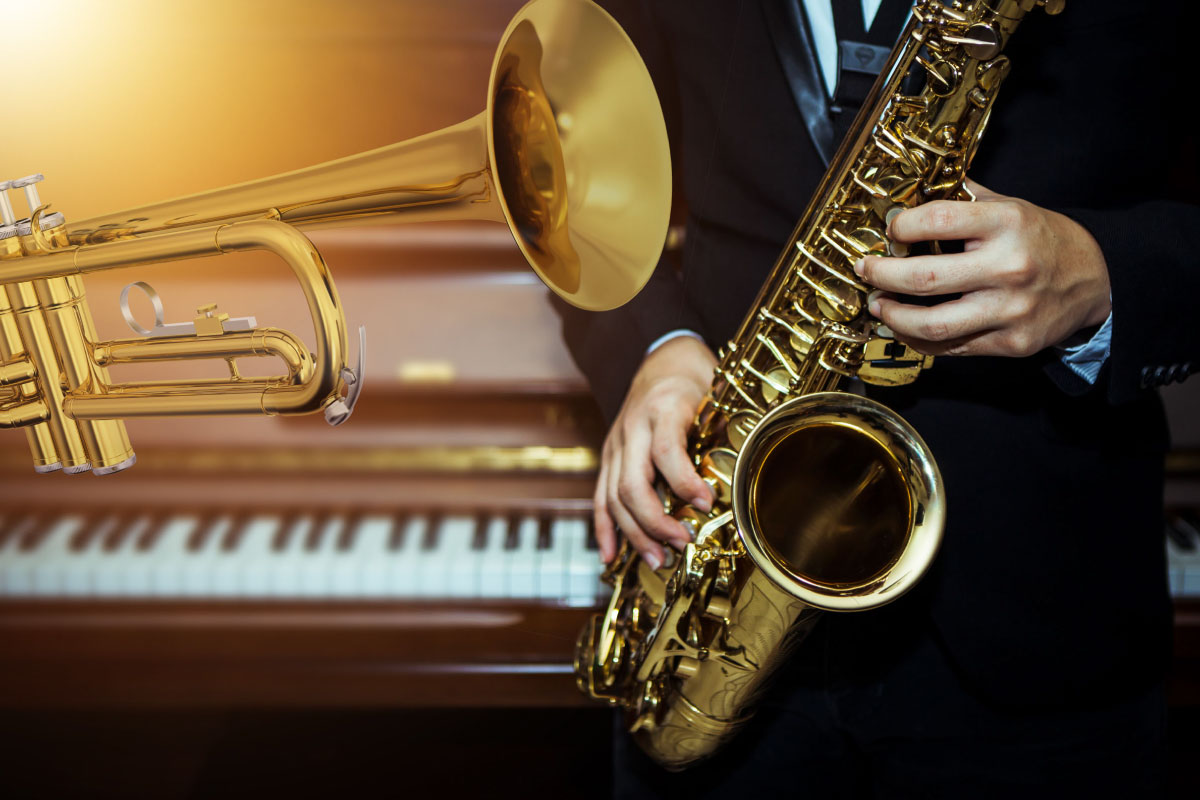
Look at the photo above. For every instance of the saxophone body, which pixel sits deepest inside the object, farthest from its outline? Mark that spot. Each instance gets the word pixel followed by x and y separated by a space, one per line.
pixel 825 500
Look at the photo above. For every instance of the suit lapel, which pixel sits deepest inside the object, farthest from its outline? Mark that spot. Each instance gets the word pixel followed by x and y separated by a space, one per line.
pixel 798 57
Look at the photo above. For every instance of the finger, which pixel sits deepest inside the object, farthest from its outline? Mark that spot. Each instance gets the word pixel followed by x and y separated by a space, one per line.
pixel 635 488
pixel 980 191
pixel 966 346
pixel 923 275
pixel 648 548
pixel 947 220
pixel 606 534
pixel 944 322
pixel 668 448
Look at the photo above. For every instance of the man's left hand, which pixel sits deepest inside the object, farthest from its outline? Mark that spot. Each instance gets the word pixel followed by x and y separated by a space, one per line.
pixel 1028 278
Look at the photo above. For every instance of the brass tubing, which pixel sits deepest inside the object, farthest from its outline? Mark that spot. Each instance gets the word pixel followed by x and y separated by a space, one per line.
pixel 106 441
pixel 18 372
pixel 39 345
pixel 24 415
pixel 323 303
pixel 198 400
pixel 317 385
pixel 38 436
pixel 238 344
pixel 339 191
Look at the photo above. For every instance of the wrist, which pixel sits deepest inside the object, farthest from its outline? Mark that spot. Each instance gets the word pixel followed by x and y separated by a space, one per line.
pixel 684 357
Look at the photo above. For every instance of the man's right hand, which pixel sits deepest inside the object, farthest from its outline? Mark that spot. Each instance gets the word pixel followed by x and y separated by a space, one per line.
pixel 649 435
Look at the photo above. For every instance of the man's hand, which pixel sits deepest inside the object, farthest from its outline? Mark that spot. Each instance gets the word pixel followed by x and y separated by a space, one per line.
pixel 1028 278
pixel 651 432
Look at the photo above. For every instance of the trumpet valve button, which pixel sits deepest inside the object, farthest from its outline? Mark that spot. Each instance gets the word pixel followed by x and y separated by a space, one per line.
pixel 28 183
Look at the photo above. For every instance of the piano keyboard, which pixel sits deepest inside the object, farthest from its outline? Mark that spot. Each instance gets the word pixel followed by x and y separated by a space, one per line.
pixel 549 559
pixel 1183 553
pixel 329 556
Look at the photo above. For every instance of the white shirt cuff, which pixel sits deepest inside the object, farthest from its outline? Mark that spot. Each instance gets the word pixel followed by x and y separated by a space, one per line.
pixel 1086 359
pixel 675 334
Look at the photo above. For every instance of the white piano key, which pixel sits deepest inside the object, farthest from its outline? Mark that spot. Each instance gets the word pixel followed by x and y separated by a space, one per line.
pixel 521 563
pixel 33 572
pixel 54 553
pixel 453 564
pixel 370 552
pixel 345 569
pixel 76 571
pixel 1175 555
pixel 552 566
pixel 255 557
pixel 170 556
pixel 583 565
pixel 493 578
pixel 139 567
pixel 197 574
pixel 11 547
pixel 1188 564
pixel 408 560
pixel 315 563
pixel 286 576
pixel 110 568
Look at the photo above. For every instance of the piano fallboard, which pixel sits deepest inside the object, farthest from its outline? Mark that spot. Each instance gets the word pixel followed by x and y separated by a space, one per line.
pixel 287 654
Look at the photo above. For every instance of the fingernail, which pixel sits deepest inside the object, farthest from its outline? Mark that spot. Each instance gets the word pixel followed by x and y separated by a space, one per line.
pixel 702 502
pixel 653 559
pixel 874 308
pixel 859 266
pixel 686 531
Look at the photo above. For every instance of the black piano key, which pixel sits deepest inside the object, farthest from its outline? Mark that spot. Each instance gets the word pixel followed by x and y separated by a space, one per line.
pixel 199 535
pixel 349 532
pixel 35 534
pixel 316 533
pixel 283 533
pixel 152 533
pixel 544 539
pixel 1176 534
pixel 16 527
pixel 512 536
pixel 1189 520
pixel 479 541
pixel 433 530
pixel 115 536
pixel 91 533
pixel 234 535
pixel 396 540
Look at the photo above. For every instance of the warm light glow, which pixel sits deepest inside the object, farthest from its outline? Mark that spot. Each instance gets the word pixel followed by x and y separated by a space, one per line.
pixel 125 102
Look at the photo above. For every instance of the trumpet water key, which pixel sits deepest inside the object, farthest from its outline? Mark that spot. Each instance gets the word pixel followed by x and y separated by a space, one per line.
pixel 824 499
pixel 570 152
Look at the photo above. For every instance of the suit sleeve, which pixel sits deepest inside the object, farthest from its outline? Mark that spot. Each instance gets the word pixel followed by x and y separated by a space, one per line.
pixel 1154 271
pixel 609 346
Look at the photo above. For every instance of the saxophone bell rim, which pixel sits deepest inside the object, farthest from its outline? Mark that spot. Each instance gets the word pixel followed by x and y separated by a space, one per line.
pixel 922 478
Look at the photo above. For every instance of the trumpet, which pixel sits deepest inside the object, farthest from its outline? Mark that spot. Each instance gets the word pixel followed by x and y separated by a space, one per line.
pixel 570 152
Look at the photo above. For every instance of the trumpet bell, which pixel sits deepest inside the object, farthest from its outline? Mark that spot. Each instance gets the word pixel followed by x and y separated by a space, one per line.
pixel 571 151
pixel 580 155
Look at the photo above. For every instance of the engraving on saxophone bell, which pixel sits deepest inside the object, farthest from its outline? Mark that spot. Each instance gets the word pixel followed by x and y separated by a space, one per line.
pixel 824 500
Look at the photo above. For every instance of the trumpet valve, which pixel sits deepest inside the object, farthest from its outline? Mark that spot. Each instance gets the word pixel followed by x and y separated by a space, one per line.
pixel 29 184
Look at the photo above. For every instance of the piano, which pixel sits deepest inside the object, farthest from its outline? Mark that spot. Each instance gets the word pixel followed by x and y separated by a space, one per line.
pixel 435 550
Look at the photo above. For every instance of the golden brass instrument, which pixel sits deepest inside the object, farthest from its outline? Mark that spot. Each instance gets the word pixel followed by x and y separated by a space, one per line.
pixel 825 500
pixel 570 152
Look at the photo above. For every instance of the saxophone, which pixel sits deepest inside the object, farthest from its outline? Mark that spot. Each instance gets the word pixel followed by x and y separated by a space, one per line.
pixel 825 500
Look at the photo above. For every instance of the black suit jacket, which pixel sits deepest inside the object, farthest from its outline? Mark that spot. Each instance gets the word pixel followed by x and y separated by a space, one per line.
pixel 1050 586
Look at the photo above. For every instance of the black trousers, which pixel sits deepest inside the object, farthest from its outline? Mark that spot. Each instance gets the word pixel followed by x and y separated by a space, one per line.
pixel 872 707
